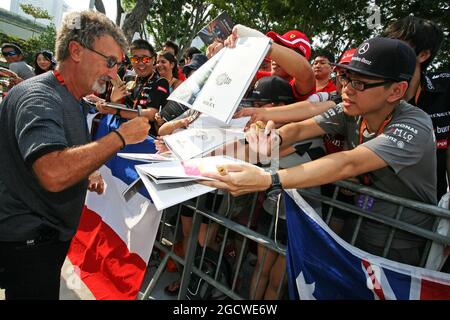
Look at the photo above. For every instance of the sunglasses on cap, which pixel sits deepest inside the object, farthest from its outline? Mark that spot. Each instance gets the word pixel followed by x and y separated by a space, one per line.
pixel 110 60
pixel 144 59
pixel 9 53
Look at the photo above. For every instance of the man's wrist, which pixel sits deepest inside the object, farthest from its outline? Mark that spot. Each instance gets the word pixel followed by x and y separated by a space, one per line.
pixel 267 180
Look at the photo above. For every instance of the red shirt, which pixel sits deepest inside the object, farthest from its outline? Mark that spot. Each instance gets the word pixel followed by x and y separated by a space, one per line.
pixel 330 87
pixel 181 75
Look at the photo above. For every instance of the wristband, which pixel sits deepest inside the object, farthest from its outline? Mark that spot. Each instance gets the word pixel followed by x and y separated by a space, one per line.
pixel 118 112
pixel 121 138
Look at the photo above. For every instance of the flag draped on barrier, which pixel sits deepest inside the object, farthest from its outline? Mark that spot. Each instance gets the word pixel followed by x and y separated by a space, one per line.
pixel 115 238
pixel 323 266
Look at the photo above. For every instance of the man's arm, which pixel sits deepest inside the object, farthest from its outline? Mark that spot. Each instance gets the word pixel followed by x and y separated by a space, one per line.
pixel 299 131
pixel 298 111
pixel 296 66
pixel 242 179
pixel 331 168
pixel 59 170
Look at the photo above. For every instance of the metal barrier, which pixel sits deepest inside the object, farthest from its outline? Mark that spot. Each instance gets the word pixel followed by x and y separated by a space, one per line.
pixel 193 262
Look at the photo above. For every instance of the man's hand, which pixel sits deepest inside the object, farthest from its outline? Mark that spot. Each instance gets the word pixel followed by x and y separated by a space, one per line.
pixel 239 179
pixel 118 93
pixel 256 114
pixel 213 48
pixel 135 130
pixel 159 121
pixel 102 108
pixel 96 183
pixel 160 145
pixel 263 140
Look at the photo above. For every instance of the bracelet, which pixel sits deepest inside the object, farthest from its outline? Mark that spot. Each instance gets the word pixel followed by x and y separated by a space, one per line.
pixel 118 112
pixel 121 138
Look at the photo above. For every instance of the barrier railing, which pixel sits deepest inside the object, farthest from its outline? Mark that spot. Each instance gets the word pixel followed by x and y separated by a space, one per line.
pixel 198 281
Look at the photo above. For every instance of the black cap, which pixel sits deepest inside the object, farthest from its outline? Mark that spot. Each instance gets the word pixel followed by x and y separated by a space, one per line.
pixel 197 61
pixel 272 89
pixel 383 58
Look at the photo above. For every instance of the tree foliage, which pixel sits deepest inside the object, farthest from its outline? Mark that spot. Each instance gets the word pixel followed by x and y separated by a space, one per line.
pixel 334 26
pixel 45 40
pixel 35 12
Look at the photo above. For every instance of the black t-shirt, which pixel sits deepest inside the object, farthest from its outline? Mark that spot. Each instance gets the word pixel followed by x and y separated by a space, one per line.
pixel 435 100
pixel 37 117
pixel 149 92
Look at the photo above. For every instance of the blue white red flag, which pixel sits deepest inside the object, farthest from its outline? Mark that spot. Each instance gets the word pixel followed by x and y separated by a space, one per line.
pixel 115 238
pixel 322 266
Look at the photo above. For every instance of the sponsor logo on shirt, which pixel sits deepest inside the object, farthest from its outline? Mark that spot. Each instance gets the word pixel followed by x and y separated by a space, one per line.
pixel 441 75
pixel 404 126
pixel 442 129
pixel 429 84
pixel 440 114
pixel 162 89
pixel 441 144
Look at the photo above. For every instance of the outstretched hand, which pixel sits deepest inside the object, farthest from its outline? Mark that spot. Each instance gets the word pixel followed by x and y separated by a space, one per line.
pixel 239 179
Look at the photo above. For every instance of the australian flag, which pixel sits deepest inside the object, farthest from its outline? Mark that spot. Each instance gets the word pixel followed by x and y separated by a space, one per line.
pixel 322 266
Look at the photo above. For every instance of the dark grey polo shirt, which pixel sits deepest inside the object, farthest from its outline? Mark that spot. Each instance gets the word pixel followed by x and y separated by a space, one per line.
pixel 38 116
pixel 407 145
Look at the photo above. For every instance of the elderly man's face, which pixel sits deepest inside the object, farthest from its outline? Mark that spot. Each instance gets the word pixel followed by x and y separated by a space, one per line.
pixel 95 65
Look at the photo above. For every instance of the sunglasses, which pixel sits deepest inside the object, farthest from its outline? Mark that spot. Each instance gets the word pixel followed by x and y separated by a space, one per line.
pixel 360 85
pixel 110 60
pixel 144 59
pixel 9 53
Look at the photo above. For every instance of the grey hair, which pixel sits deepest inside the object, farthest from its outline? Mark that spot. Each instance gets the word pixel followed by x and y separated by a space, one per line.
pixel 84 27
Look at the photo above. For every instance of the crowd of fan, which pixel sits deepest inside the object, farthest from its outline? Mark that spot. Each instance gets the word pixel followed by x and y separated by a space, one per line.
pixel 297 89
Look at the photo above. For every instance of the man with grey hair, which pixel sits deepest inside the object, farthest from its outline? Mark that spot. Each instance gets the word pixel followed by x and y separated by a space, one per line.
pixel 47 157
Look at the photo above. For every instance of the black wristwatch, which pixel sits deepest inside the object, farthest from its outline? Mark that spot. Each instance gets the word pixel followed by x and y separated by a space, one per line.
pixel 276 184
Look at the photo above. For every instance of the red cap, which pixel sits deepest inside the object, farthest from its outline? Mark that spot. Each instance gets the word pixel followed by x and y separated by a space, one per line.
pixel 293 39
pixel 347 56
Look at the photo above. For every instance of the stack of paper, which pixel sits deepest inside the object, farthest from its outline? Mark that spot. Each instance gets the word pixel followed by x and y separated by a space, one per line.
pixel 171 183
pixel 205 135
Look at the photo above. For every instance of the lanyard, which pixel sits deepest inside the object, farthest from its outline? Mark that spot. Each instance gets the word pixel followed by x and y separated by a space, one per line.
pixel 363 127
pixel 365 178
pixel 59 77
pixel 62 82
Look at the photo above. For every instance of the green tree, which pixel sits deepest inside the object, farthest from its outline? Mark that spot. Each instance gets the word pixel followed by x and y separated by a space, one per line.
pixel 36 13
pixel 178 21
pixel 46 40
pixel 137 12
pixel 333 26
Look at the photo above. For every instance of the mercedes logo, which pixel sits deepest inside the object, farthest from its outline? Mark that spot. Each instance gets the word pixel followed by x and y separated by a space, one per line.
pixel 364 48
